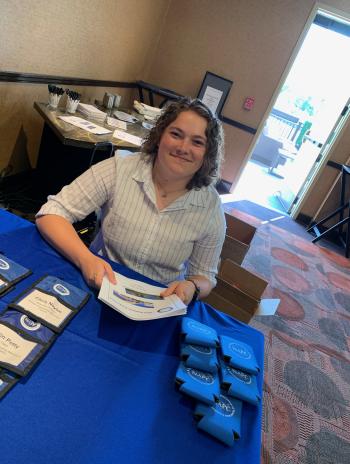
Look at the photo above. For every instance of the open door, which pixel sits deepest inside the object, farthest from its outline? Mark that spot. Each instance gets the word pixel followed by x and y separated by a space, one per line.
pixel 311 158
pixel 307 115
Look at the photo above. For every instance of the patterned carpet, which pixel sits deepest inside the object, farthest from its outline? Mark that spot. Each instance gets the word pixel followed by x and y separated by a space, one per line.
pixel 306 413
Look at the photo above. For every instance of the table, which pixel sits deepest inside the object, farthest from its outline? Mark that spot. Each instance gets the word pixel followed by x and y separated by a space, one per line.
pixel 104 393
pixel 66 151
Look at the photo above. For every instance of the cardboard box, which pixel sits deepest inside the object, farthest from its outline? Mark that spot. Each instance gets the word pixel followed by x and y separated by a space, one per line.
pixel 238 293
pixel 239 235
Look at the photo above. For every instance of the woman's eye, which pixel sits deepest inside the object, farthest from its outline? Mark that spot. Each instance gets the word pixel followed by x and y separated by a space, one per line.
pixel 175 134
pixel 199 143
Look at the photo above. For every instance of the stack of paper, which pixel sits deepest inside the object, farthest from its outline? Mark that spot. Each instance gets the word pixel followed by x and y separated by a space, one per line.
pixel 125 116
pixel 149 112
pixel 90 111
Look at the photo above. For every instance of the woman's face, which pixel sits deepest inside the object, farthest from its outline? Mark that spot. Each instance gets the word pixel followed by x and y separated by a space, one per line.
pixel 182 146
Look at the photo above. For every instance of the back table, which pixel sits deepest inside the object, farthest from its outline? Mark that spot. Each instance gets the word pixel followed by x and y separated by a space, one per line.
pixel 104 393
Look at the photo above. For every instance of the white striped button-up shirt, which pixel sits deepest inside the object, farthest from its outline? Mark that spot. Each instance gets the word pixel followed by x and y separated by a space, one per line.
pixel 183 239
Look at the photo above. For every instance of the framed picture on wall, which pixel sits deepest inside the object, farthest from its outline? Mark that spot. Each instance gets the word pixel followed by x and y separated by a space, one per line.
pixel 214 91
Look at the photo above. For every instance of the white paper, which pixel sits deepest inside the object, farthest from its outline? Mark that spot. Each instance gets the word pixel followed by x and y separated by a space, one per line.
pixel 118 134
pixel 13 348
pixel 267 307
pixel 212 98
pixel 116 123
pixel 3 283
pixel 45 306
pixel 138 300
pixel 125 116
pixel 85 125
pixel 90 109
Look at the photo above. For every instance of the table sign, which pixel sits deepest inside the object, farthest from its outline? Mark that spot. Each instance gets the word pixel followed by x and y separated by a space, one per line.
pixel 51 301
pixel 11 273
pixel 24 324
pixel 18 352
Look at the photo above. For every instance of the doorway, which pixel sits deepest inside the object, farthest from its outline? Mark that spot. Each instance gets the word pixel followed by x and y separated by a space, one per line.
pixel 305 120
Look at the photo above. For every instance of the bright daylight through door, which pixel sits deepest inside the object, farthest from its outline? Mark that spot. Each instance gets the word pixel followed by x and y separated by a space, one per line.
pixel 302 119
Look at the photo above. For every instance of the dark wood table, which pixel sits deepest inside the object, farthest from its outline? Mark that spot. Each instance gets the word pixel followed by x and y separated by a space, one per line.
pixel 76 137
pixel 66 151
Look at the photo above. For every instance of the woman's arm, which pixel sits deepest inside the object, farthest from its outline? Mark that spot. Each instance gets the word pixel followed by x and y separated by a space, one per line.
pixel 62 236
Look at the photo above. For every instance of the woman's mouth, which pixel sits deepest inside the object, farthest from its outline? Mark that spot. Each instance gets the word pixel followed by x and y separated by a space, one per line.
pixel 181 158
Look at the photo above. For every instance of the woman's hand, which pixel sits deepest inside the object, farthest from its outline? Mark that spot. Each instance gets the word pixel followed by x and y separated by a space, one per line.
pixel 94 268
pixel 184 289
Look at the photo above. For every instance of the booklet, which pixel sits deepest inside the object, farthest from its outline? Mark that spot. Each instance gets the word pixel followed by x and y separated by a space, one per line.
pixel 139 301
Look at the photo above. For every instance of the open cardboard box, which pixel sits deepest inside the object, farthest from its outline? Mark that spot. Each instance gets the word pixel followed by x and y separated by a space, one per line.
pixel 239 235
pixel 238 293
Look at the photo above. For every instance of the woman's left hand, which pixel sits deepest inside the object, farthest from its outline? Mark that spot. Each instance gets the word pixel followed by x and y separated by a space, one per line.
pixel 184 289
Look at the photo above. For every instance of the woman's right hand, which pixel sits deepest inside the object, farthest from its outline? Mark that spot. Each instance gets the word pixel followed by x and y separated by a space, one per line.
pixel 94 268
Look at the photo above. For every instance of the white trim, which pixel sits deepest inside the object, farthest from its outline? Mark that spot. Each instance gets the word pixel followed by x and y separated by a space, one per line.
pixel 345 123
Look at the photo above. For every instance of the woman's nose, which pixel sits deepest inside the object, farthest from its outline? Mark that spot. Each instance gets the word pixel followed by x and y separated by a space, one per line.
pixel 183 146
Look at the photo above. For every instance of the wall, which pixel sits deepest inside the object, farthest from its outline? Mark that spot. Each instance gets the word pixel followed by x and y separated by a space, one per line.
pixel 97 39
pixel 247 41
pixel 167 42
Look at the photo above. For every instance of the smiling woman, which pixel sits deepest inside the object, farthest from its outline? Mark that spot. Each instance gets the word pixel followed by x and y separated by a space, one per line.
pixel 180 155
pixel 161 215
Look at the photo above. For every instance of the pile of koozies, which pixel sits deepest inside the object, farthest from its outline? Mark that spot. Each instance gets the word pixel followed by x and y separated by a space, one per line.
pixel 220 372
pixel 31 322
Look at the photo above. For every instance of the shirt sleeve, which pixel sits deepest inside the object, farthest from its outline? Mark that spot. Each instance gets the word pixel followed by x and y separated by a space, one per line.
pixel 87 193
pixel 205 256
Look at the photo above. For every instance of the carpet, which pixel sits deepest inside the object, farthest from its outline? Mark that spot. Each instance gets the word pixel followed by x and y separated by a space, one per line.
pixel 306 403
pixel 264 215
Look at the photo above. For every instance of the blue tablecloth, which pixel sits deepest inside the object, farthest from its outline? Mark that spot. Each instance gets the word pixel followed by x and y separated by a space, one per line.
pixel 104 393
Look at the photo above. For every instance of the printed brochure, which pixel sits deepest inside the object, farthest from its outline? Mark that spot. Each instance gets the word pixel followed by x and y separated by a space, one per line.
pixel 139 301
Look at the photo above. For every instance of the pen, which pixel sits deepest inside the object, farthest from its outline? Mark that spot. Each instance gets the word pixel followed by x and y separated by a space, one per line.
pixel 55 90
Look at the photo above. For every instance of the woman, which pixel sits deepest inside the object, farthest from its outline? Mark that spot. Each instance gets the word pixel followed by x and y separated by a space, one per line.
pixel 160 214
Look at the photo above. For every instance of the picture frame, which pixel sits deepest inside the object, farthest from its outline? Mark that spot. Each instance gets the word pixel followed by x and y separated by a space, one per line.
pixel 214 91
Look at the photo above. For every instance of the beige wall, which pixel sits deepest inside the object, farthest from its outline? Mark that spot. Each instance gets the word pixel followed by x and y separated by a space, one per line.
pixel 97 39
pixel 247 41
pixel 167 42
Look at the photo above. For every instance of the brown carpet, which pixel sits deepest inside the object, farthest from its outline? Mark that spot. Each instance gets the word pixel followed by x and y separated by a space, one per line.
pixel 306 413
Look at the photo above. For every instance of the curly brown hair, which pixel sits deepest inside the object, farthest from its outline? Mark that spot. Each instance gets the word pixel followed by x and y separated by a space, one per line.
pixel 210 169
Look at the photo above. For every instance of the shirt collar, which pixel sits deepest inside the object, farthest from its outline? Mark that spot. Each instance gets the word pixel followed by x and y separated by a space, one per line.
pixel 143 174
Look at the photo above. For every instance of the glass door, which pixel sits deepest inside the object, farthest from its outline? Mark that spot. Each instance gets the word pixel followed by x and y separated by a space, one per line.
pixel 320 160
pixel 317 91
